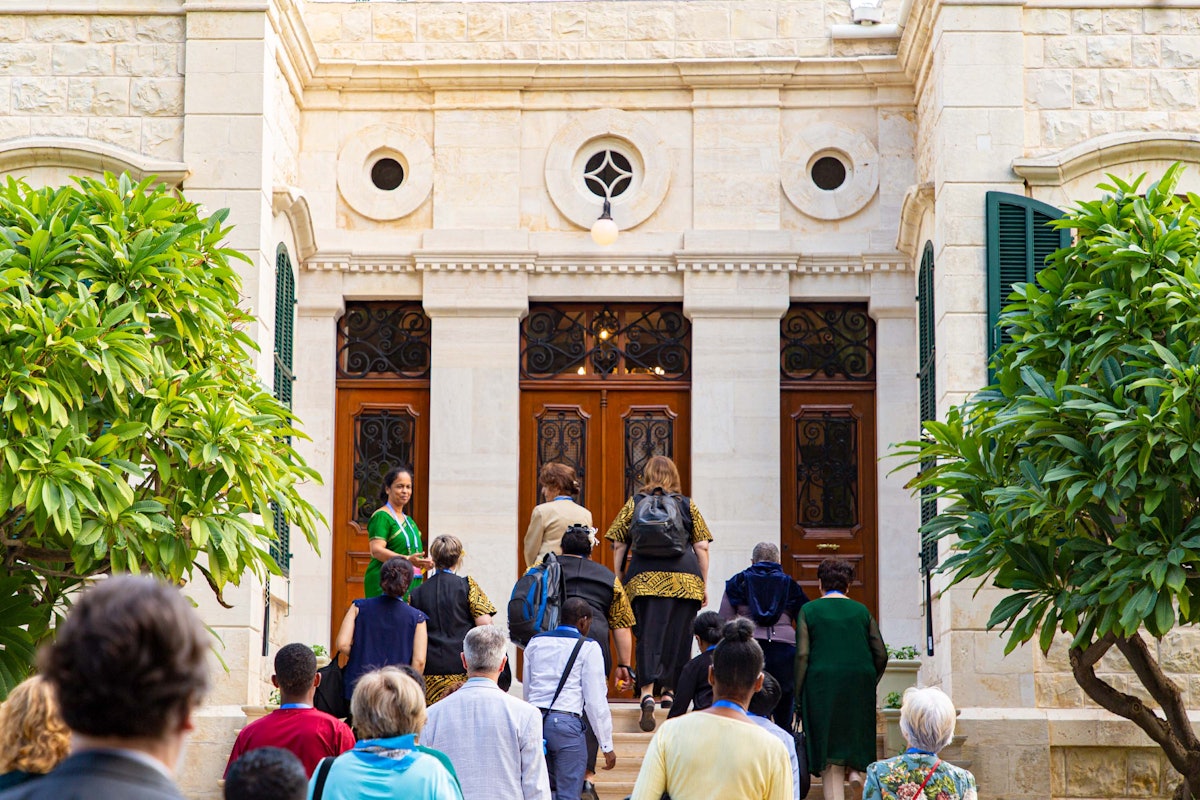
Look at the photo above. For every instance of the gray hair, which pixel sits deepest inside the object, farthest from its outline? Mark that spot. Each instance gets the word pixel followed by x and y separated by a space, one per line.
pixel 484 648
pixel 927 718
pixel 765 551
pixel 387 703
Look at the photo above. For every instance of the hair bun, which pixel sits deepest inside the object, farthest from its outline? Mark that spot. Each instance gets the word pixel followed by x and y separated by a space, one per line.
pixel 738 630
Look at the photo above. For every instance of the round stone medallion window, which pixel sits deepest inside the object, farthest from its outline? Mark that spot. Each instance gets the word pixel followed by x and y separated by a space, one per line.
pixel 611 155
pixel 385 171
pixel 829 171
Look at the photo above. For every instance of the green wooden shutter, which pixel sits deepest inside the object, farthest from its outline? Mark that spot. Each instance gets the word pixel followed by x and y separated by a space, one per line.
pixel 285 324
pixel 928 388
pixel 1018 243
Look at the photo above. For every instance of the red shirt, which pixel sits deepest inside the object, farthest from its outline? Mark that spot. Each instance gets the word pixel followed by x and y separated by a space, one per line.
pixel 307 732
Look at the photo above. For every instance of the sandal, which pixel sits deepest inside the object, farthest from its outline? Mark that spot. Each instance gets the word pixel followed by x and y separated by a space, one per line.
pixel 646 723
pixel 668 698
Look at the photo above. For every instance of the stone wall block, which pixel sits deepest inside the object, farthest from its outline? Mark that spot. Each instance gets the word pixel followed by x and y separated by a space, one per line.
pixel 1125 88
pixel 529 23
pixel 356 23
pixel 326 26
pixel 111 29
pixel 1062 128
pixel 1122 20
pixel 85 59
pixel 1086 87
pixel 608 23
pixel 389 25
pixel 99 96
pixel 1145 52
pixel 651 25
pixel 753 23
pixel 162 137
pixel 25 59
pixel 57 28
pixel 1087 20
pixel 160 29
pixel 802 20
pixel 1108 51
pixel 148 60
pixel 1179 651
pixel 484 23
pixel 702 23
pixel 1160 20
pixel 1145 773
pixel 1049 88
pixel 1102 770
pixel 1058 690
pixel 122 131
pixel 443 27
pixel 57 125
pixel 12 28
pixel 1047 20
pixel 1174 89
pixel 570 23
pixel 157 96
pixel 1180 51
pixel 1065 52
pixel 40 95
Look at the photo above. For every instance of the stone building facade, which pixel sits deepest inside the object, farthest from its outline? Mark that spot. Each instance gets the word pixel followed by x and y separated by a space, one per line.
pixel 788 176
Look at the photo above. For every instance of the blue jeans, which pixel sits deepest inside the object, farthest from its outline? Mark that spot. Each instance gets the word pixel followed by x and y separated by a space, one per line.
pixel 566 754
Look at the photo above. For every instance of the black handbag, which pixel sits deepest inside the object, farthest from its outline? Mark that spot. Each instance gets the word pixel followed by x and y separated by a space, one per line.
pixel 801 757
pixel 330 696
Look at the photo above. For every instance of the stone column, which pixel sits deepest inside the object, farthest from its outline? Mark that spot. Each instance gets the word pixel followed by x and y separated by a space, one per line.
pixel 735 412
pixel 474 425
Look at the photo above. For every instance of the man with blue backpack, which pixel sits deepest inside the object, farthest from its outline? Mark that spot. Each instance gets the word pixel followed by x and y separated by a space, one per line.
pixel 564 677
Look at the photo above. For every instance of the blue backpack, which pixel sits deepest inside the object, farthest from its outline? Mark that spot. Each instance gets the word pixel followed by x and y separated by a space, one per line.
pixel 536 601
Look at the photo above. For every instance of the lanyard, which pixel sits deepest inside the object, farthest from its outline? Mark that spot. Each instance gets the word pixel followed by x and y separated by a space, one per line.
pixel 295 705
pixel 563 497
pixel 913 751
pixel 732 706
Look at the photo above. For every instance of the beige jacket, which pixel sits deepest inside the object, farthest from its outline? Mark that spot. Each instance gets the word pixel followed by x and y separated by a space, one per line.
pixel 547 525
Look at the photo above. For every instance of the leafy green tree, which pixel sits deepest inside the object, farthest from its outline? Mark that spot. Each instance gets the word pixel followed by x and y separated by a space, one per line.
pixel 1074 482
pixel 135 435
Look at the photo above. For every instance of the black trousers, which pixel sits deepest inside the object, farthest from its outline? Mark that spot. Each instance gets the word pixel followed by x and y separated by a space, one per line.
pixel 780 662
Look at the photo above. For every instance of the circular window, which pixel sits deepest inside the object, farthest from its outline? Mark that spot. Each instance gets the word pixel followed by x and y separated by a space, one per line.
pixel 608 174
pixel 828 173
pixel 387 174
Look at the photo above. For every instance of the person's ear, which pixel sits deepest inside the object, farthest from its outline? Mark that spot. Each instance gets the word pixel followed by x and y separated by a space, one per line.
pixel 463 656
pixel 316 680
pixel 275 681
pixel 712 681
pixel 758 683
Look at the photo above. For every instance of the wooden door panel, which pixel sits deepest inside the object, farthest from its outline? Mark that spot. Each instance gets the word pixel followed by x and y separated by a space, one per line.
pixel 828 490
pixel 376 429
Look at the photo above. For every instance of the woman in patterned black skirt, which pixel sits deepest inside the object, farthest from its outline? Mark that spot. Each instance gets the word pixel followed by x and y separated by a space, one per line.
pixel 665 593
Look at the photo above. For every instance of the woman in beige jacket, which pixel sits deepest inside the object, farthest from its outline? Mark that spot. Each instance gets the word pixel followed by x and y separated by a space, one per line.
pixel 559 486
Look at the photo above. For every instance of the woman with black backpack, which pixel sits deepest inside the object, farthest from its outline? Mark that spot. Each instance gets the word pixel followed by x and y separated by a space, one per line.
pixel 666 541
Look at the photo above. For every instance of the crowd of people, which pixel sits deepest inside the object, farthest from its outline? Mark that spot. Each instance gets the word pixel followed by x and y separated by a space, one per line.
pixel 427 678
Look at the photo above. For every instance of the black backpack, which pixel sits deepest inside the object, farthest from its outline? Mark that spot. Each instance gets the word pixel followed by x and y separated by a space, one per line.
pixel 536 601
pixel 659 528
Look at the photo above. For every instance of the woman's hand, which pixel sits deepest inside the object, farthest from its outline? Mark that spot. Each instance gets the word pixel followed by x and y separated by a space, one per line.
pixel 420 561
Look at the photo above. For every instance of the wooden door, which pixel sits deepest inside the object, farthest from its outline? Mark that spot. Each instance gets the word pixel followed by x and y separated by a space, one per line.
pixel 829 479
pixel 377 429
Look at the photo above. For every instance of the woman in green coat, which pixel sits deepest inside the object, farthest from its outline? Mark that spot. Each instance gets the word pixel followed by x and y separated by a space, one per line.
pixel 393 533
pixel 840 657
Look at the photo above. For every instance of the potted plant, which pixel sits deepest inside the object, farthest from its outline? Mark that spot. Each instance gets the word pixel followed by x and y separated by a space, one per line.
pixel 903 665
pixel 893 740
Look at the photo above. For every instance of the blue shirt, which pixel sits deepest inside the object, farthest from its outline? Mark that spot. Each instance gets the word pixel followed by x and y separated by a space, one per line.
pixel 383 769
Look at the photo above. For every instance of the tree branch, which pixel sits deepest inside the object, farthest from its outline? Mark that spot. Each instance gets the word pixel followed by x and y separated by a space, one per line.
pixel 1161 688
pixel 1083 662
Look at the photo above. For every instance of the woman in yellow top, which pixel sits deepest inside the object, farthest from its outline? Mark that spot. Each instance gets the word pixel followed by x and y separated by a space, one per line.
pixel 392 533
pixel 559 511
pixel 720 752
pixel 666 592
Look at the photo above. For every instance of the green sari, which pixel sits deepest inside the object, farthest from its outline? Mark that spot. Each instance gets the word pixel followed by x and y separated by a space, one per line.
pixel 403 540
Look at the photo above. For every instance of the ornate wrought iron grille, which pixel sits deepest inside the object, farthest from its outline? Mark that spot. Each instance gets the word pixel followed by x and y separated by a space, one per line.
pixel 827 470
pixel 648 432
pixel 382 440
pixel 383 340
pixel 562 438
pixel 828 342
pixel 285 319
pixel 608 174
pixel 606 342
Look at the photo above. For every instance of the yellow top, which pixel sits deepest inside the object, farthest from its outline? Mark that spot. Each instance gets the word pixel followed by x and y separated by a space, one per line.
pixel 702 756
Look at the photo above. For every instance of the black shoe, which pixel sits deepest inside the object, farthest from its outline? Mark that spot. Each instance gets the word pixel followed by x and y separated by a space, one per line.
pixel 668 699
pixel 646 723
pixel 589 792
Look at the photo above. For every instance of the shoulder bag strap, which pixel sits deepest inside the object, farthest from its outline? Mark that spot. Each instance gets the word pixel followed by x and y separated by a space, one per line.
pixel 920 791
pixel 322 775
pixel 566 672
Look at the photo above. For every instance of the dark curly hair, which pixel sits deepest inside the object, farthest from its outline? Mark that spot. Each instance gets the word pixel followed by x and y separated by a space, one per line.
pixel 295 668
pixel 708 626
pixel 835 575
pixel 395 576
pixel 577 541
pixel 130 660
pixel 765 699
pixel 738 659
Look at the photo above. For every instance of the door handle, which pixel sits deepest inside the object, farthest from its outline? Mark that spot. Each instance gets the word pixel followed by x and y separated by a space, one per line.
pixel 829 546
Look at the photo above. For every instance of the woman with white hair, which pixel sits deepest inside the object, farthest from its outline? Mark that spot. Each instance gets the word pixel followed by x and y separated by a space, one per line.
pixel 927 723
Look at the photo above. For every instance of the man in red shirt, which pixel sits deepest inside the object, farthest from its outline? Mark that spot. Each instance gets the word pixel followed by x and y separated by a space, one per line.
pixel 296 725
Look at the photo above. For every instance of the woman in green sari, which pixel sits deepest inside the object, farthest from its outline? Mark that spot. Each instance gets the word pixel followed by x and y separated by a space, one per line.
pixel 393 533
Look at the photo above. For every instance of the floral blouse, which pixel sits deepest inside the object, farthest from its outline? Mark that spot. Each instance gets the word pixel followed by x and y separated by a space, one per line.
pixel 900 778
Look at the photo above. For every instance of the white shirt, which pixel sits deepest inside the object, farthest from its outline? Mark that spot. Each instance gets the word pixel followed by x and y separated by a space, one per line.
pixel 493 740
pixel 586 689
pixel 789 743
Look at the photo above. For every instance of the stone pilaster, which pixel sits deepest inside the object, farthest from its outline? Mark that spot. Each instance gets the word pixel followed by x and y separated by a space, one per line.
pixel 735 412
